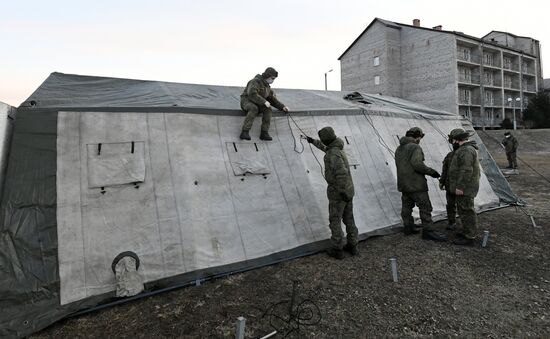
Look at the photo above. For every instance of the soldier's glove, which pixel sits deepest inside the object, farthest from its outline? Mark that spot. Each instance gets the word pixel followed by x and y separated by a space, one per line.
pixel 441 186
pixel 435 174
pixel 345 196
pixel 310 139
pixel 267 104
pixel 285 109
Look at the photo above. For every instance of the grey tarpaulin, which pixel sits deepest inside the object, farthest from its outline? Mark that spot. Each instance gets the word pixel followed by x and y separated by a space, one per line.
pixel 188 214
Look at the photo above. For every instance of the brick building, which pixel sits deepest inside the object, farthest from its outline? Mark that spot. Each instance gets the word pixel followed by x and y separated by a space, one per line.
pixel 486 79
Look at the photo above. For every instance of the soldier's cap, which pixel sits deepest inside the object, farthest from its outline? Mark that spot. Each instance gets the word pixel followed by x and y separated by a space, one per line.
pixel 327 135
pixel 415 132
pixel 507 133
pixel 459 134
pixel 270 72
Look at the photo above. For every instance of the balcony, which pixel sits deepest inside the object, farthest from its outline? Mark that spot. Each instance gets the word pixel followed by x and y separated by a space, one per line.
pixel 468 79
pixel 529 88
pixel 468 101
pixel 527 70
pixel 492 82
pixel 512 66
pixel 511 85
pixel 475 59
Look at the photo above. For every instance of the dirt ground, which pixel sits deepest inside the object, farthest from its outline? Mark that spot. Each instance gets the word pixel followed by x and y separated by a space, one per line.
pixel 502 290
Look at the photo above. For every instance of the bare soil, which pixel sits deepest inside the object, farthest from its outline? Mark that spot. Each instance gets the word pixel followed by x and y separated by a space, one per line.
pixel 444 290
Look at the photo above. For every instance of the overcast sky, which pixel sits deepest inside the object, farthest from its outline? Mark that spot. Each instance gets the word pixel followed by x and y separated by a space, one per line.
pixel 223 42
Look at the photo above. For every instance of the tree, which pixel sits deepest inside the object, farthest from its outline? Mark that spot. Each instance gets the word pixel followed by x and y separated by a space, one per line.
pixel 538 110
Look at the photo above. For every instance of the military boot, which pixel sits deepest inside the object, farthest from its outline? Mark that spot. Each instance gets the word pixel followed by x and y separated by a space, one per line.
pixel 409 229
pixel 352 249
pixel 335 253
pixel 265 136
pixel 463 241
pixel 451 227
pixel 245 135
pixel 433 235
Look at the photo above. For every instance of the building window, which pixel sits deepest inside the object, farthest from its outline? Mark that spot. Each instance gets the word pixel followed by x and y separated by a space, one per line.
pixel 488 78
pixel 489 98
pixel 488 59
pixel 465 74
pixel 507 63
pixel 377 80
pixel 507 81
pixel 465 96
pixel 466 54
pixel 376 61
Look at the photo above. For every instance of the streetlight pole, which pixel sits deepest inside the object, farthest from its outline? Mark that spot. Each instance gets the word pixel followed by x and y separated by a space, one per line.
pixel 326 78
pixel 510 101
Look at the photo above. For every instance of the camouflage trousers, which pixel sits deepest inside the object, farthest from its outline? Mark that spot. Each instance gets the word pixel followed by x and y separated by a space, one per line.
pixel 422 200
pixel 252 110
pixel 467 214
pixel 451 208
pixel 512 160
pixel 339 210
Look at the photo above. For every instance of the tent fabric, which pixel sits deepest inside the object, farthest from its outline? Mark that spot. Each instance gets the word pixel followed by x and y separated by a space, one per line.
pixel 190 214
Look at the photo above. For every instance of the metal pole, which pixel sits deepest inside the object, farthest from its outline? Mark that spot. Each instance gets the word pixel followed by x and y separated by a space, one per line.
pixel 326 81
pixel 240 328
pixel 485 238
pixel 394 268
pixel 514 114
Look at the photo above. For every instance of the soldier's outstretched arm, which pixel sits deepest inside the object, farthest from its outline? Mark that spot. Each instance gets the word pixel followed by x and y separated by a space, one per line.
pixel 319 145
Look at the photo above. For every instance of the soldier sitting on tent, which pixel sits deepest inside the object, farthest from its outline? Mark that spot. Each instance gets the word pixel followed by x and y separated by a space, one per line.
pixel 258 97
pixel 510 144
pixel 340 192
pixel 411 182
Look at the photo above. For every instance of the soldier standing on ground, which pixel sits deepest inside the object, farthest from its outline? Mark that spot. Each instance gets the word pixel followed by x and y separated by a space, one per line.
pixel 510 144
pixel 464 176
pixel 444 182
pixel 411 182
pixel 258 97
pixel 340 192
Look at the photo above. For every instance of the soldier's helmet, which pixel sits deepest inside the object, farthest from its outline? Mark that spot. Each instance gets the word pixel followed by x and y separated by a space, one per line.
pixel 415 132
pixel 458 134
pixel 507 133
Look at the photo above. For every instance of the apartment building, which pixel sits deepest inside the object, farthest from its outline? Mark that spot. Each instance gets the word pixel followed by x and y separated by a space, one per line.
pixel 486 79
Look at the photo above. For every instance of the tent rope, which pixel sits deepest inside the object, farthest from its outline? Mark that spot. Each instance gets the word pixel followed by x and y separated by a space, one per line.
pixel 288 118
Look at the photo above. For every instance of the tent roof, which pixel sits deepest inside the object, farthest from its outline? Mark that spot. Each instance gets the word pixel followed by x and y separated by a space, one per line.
pixel 77 92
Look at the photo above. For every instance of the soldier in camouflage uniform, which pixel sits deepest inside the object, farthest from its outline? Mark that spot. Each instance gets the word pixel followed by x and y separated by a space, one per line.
pixel 464 176
pixel 340 192
pixel 258 97
pixel 510 144
pixel 411 182
pixel 444 183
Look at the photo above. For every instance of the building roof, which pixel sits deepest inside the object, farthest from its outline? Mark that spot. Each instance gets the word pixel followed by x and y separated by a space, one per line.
pixel 515 36
pixel 460 34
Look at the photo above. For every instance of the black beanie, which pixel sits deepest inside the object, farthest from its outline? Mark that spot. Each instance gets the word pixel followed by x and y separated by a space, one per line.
pixel 270 72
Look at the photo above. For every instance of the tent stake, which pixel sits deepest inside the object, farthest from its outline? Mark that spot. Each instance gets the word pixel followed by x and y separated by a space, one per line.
pixel 485 238
pixel 240 328
pixel 393 262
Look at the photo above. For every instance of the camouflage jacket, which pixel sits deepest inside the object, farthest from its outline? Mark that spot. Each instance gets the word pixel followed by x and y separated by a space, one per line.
pixel 444 179
pixel 464 172
pixel 337 172
pixel 510 144
pixel 411 170
pixel 258 91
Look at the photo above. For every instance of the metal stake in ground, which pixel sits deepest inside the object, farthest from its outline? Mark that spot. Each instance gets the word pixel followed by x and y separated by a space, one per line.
pixel 485 238
pixel 393 262
pixel 239 334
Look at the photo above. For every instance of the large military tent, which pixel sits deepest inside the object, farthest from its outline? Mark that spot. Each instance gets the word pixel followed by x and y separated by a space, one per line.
pixel 98 166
